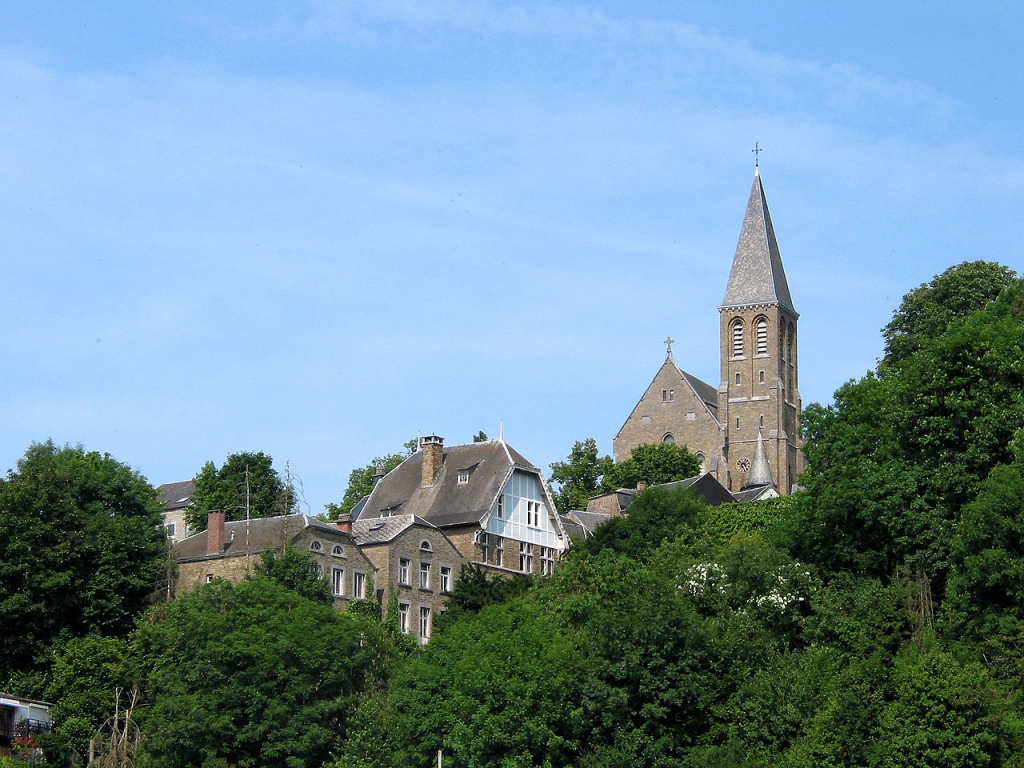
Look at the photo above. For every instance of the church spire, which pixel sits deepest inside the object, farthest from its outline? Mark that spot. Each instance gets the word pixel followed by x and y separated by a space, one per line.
pixel 757 276
pixel 760 469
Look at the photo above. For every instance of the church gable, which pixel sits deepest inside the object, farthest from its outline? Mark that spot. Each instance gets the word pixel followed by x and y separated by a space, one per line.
pixel 676 408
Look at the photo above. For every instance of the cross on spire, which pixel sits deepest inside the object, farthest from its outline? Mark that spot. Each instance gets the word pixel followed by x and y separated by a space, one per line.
pixel 757 151
pixel 668 343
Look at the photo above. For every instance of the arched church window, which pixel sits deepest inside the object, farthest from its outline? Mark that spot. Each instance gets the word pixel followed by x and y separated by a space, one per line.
pixel 703 463
pixel 737 337
pixel 761 334
pixel 668 438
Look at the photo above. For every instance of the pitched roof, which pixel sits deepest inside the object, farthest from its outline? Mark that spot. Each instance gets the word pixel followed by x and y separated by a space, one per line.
pixel 706 487
pixel 703 390
pixel 381 530
pixel 589 520
pixel 263 533
pixel 176 495
pixel 760 469
pixel 446 502
pixel 757 276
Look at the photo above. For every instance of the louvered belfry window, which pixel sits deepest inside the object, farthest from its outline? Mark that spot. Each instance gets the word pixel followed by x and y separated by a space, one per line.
pixel 762 336
pixel 737 338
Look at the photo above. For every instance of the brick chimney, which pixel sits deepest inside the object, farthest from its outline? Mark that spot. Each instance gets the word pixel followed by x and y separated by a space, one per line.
pixel 433 455
pixel 344 524
pixel 215 532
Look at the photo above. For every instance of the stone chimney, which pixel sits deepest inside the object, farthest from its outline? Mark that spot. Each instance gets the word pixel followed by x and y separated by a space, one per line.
pixel 433 456
pixel 344 524
pixel 215 532
pixel 376 477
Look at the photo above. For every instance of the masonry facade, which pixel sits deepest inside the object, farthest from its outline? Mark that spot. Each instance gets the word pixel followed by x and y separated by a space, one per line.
pixel 745 431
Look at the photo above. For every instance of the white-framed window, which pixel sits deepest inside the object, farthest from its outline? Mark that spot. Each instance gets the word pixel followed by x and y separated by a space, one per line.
pixel 761 335
pixel 209 578
pixel 533 514
pixel 316 546
pixel 425 546
pixel 403 618
pixel 446 579
pixel 403 571
pixel 463 476
pixel 499 551
pixel 547 560
pixel 500 510
pixel 671 395
pixel 669 438
pixel 424 575
pixel 424 624
pixel 338 550
pixel 737 338
pixel 338 581
pixel 359 585
pixel 170 528
pixel 485 548
pixel 525 557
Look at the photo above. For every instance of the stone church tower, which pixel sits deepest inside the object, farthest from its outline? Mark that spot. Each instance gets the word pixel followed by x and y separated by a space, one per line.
pixel 746 432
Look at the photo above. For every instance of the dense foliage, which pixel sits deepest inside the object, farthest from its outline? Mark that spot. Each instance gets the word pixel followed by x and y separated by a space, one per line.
pixel 82 551
pixel 584 474
pixel 246 483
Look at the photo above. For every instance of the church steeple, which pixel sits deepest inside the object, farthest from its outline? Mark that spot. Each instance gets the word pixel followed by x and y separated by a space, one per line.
pixel 757 276
pixel 760 469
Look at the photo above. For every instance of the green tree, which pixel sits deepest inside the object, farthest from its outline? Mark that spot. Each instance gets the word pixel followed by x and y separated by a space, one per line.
pixel 82 551
pixel 473 592
pixel 580 476
pixel 253 675
pixel 246 481
pixel 297 571
pixel 927 311
pixel 652 465
pixel 480 437
pixel 360 482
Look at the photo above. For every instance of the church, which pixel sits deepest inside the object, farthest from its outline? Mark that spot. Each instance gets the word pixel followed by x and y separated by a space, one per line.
pixel 745 431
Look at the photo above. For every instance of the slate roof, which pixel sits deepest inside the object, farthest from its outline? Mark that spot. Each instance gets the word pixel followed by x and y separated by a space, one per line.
pixel 589 520
pixel 446 502
pixel 706 487
pixel 757 276
pixel 573 529
pixel 264 533
pixel 381 530
pixel 707 393
pixel 760 470
pixel 176 495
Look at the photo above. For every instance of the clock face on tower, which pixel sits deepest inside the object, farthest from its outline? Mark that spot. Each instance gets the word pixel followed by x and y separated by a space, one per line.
pixel 743 465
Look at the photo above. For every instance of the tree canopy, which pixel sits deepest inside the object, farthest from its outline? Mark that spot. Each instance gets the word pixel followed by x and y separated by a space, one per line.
pixel 360 482
pixel 82 551
pixel 927 311
pixel 245 481
pixel 580 476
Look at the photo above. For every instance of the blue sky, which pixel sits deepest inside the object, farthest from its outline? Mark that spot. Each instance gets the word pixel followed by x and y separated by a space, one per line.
pixel 317 229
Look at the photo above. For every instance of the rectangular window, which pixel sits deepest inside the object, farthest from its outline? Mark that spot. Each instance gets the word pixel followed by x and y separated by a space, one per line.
pixel 737 379
pixel 533 514
pixel 664 395
pixel 446 579
pixel 760 377
pixel 338 581
pixel 424 575
pixel 170 528
pixel 485 548
pixel 500 512
pixel 424 624
pixel 359 585
pixel 525 557
pixel 403 571
pixel 547 560
pixel 499 546
pixel 403 618
pixel 209 578
pixel 463 476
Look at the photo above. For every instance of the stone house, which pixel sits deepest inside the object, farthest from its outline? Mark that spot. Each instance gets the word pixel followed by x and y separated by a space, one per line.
pixel 490 502
pixel 756 406
pixel 232 550
pixel 416 566
pixel 176 498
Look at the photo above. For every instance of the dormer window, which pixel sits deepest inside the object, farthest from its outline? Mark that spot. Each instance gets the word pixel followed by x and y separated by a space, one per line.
pixel 463 476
